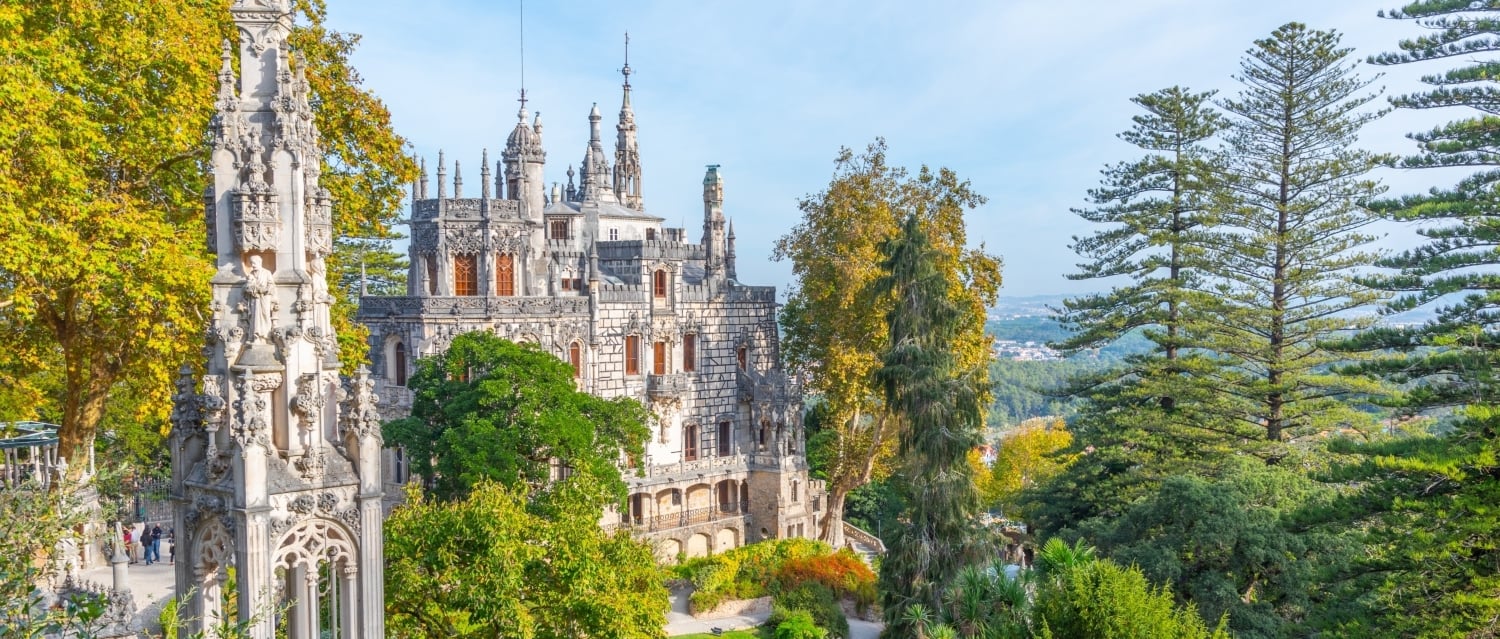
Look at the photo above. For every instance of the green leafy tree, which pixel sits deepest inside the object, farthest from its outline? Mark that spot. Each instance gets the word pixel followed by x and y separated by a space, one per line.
pixel 490 409
pixel 1290 235
pixel 103 108
pixel 498 563
pixel 833 324
pixel 940 400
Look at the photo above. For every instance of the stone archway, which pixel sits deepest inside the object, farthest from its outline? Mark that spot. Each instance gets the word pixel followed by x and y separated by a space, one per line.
pixel 668 549
pixel 727 539
pixel 699 545
pixel 212 547
pixel 316 564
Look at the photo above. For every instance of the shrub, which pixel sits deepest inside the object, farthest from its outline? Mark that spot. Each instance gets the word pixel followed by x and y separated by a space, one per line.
pixel 799 625
pixel 742 573
pixel 815 599
pixel 843 572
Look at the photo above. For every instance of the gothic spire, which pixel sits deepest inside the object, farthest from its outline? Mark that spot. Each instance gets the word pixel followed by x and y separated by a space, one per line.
pixel 595 174
pixel 627 177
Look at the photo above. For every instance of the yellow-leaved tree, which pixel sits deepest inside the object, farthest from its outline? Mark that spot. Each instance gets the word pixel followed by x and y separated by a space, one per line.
pixel 833 321
pixel 1029 454
pixel 104 110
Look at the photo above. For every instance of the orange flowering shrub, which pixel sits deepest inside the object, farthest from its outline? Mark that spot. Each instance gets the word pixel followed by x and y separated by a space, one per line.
pixel 842 572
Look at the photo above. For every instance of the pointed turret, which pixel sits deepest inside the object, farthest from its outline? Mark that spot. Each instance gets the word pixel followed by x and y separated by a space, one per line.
pixel 422 180
pixel 268 429
pixel 627 177
pixel 713 223
pixel 458 180
pixel 729 255
pixel 595 174
pixel 524 160
pixel 484 175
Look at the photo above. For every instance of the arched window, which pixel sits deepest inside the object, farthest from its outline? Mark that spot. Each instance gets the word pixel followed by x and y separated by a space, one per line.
pixel 560 229
pixel 690 442
pixel 659 362
pixel 399 364
pixel 505 275
pixel 650 235
pixel 632 355
pixel 795 492
pixel 689 352
pixel 432 274
pixel 465 275
pixel 726 432
pixel 659 281
pixel 575 357
pixel 742 357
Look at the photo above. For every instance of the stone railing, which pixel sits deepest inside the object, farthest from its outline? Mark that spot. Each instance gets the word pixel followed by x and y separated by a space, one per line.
pixel 855 533
pixel 682 518
pixel 670 386
pixel 710 463
pixel 759 294
pixel 376 307
pixel 466 208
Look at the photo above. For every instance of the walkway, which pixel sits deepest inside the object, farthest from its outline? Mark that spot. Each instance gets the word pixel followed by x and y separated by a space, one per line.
pixel 679 622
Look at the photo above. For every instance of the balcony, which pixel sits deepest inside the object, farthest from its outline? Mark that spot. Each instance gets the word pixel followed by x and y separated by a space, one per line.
pixel 673 386
pixel 683 518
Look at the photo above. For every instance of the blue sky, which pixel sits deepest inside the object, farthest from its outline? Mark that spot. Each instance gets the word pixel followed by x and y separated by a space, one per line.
pixel 1023 97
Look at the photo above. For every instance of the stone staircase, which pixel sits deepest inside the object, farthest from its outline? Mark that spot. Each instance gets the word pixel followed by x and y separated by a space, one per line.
pixel 868 546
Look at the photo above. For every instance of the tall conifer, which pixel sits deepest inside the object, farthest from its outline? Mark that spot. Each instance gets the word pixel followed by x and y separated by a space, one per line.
pixel 940 401
pixel 1431 567
pixel 1291 232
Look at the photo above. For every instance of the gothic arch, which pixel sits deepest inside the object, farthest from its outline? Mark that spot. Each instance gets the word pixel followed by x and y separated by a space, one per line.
pixel 313 541
pixel 213 546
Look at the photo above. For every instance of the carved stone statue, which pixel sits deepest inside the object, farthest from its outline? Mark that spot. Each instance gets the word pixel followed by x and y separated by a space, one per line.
pixel 260 293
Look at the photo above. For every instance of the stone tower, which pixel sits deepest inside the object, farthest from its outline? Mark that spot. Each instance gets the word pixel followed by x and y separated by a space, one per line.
pixel 276 460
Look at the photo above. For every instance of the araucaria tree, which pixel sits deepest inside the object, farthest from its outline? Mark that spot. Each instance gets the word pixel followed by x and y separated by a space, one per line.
pixel 1157 209
pixel 1289 236
pixel 1158 213
pixel 833 324
pixel 1432 567
pixel 939 399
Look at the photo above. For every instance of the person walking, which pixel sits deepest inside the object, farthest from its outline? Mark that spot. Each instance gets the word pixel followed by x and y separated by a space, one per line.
pixel 172 545
pixel 152 542
pixel 129 544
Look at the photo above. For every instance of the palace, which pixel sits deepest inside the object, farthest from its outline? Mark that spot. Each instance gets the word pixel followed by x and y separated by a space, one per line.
pixel 638 309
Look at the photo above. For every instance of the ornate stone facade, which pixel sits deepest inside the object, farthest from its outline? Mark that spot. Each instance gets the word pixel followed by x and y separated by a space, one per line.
pixel 638 309
pixel 276 460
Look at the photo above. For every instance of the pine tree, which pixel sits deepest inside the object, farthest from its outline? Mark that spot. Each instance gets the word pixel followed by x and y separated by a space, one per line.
pixel 940 401
pixel 1428 502
pixel 1157 208
pixel 1291 220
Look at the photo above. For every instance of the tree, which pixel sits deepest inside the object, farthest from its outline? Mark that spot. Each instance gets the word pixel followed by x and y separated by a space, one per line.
pixel 488 409
pixel 1290 237
pixel 1426 500
pixel 499 564
pixel 832 322
pixel 1158 208
pixel 102 272
pixel 940 400
pixel 1031 454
